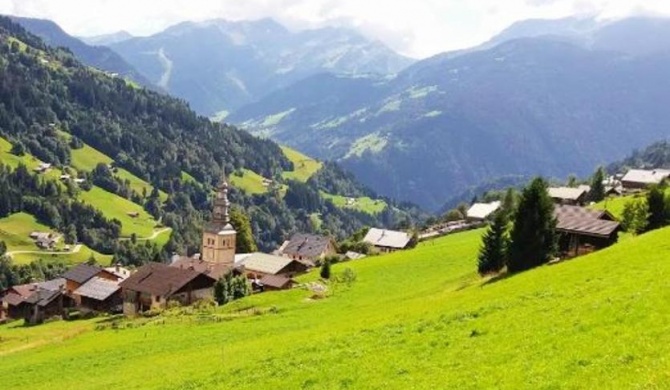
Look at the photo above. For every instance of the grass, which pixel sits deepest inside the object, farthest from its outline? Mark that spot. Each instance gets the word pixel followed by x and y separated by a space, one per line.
pixel 13 161
pixel 83 255
pixel 15 231
pixel 250 182
pixel 364 204
pixel 416 319
pixel 303 167
pixel 114 206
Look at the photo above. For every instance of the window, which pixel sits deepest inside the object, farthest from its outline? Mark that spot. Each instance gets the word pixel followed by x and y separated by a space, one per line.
pixel 158 298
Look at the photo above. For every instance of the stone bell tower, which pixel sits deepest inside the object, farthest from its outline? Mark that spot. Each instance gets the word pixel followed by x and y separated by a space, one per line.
pixel 219 236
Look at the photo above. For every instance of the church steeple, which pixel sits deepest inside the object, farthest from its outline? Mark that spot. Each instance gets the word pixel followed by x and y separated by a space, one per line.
pixel 221 215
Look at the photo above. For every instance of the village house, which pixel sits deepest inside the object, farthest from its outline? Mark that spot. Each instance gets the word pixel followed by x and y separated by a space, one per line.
pixel 214 270
pixel 33 302
pixel 154 285
pixel 308 248
pixel 583 230
pixel 481 211
pixel 77 276
pixel 569 196
pixel 99 294
pixel 274 282
pixel 42 168
pixel 639 179
pixel 256 265
pixel 45 240
pixel 387 240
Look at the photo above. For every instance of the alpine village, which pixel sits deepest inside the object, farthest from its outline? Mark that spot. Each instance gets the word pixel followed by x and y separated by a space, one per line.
pixel 146 242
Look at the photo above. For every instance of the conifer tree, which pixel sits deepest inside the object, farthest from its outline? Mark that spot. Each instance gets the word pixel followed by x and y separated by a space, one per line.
pixel 597 192
pixel 658 210
pixel 325 269
pixel 533 238
pixel 493 253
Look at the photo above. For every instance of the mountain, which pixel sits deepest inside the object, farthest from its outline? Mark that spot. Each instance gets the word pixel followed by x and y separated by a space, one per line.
pixel 218 65
pixel 523 107
pixel 164 161
pixel 98 57
pixel 656 155
pixel 107 39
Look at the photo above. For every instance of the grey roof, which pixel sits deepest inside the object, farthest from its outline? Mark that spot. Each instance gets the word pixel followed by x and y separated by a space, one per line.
pixel 642 176
pixel 306 245
pixel 568 193
pixel 580 220
pixel 482 210
pixel 43 297
pixel 82 272
pixel 212 269
pixel 276 281
pixel 52 285
pixel 98 288
pixel 264 263
pixel 387 238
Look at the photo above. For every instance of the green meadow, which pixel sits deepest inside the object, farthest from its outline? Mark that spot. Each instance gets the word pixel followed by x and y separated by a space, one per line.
pixel 303 166
pixel 15 231
pixel 364 204
pixel 420 319
pixel 248 181
pixel 84 254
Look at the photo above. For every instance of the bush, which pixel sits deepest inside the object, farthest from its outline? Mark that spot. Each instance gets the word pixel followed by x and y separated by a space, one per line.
pixel 325 270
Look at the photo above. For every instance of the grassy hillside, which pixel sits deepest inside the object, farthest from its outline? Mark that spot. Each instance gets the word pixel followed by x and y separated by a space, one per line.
pixel 364 204
pixel 303 166
pixel 418 319
pixel 249 182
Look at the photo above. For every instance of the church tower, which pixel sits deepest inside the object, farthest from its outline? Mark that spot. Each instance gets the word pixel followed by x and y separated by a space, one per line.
pixel 218 237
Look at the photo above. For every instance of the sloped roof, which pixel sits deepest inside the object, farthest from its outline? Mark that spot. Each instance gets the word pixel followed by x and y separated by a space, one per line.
pixel 13 299
pixel 43 297
pixel 214 270
pixel 82 273
pixel 98 288
pixel 306 245
pixel 580 220
pixel 264 263
pixel 643 176
pixel 276 281
pixel 387 238
pixel 26 290
pixel 160 279
pixel 568 193
pixel 482 210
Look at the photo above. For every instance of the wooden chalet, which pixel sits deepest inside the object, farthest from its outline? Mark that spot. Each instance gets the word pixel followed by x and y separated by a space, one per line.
pixel 583 230
pixel 155 284
pixel 569 196
pixel 257 265
pixel 387 240
pixel 639 179
pixel 275 282
pixel 33 302
pixel 308 248
pixel 77 276
pixel 100 294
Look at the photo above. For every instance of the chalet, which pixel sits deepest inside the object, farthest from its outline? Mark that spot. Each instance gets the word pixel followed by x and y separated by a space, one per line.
pixel 122 272
pixel 481 211
pixel 570 196
pixel 308 248
pixel 638 179
pixel 99 294
pixel 387 240
pixel 275 282
pixel 257 265
pixel 33 302
pixel 583 230
pixel 155 284
pixel 42 168
pixel 77 276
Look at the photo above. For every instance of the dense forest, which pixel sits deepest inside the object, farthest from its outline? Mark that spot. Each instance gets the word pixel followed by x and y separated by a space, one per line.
pixel 656 155
pixel 45 92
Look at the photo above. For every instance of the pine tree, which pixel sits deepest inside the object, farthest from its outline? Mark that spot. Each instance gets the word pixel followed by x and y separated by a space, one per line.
pixel 658 210
pixel 508 205
pixel 493 253
pixel 533 238
pixel 325 269
pixel 597 187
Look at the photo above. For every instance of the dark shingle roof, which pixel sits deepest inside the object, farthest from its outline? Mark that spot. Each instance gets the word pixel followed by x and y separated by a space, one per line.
pixel 214 270
pixel 160 279
pixel 276 281
pixel 580 220
pixel 82 273
pixel 306 245
pixel 43 297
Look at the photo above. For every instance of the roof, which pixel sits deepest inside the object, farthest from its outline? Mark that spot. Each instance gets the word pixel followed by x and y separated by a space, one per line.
pixel 13 299
pixel 160 279
pixel 98 288
pixel 580 220
pixel 482 210
pixel 82 272
pixel 387 238
pixel 307 245
pixel 43 297
pixel 219 229
pixel 121 272
pixel 264 263
pixel 354 255
pixel 214 270
pixel 276 281
pixel 568 193
pixel 646 176
pixel 26 290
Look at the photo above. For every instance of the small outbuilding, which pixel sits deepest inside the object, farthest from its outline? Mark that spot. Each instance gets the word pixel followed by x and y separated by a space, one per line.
pixel 387 240
pixel 308 248
pixel 257 265
pixel 583 230
pixel 481 211
pixel 570 196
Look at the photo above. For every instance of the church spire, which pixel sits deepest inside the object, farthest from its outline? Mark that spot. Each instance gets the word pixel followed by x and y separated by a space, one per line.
pixel 221 214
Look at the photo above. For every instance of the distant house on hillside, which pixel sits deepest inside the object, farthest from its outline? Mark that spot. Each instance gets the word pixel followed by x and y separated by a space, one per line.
pixel 33 302
pixel 257 265
pixel 308 248
pixel 481 211
pixel 569 196
pixel 637 179
pixel 583 230
pixel 155 284
pixel 275 282
pixel 387 240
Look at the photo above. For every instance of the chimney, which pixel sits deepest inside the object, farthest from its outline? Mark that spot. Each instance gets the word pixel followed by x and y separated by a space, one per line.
pixel 118 267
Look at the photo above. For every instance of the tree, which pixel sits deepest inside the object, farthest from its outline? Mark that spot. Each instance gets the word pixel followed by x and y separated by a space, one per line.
pixel 230 288
pixel 635 215
pixel 413 240
pixel 508 205
pixel 245 237
pixel 597 187
pixel 572 181
pixel 3 248
pixel 493 253
pixel 533 238
pixel 658 208
pixel 325 269
pixel 18 149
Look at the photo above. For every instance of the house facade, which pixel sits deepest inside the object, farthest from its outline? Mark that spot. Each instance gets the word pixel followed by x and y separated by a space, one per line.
pixel 583 230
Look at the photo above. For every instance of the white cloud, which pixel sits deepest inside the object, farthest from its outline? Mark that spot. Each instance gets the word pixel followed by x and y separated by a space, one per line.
pixel 417 27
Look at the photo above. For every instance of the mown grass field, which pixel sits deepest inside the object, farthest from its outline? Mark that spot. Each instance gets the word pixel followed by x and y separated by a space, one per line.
pixel 249 182
pixel 303 166
pixel 74 258
pixel 364 204
pixel 15 231
pixel 114 206
pixel 13 161
pixel 419 319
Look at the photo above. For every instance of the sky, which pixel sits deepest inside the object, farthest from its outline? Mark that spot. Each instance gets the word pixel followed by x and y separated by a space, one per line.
pixel 417 28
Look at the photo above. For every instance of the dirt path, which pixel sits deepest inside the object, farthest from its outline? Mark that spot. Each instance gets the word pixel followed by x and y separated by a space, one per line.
pixel 74 250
